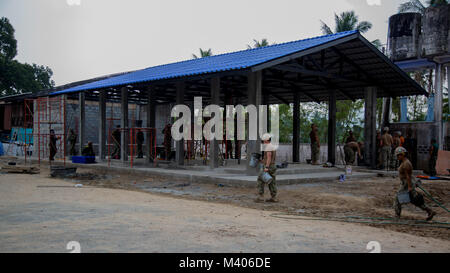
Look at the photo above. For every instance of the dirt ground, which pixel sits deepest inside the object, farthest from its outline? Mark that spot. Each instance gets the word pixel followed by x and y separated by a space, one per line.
pixel 366 198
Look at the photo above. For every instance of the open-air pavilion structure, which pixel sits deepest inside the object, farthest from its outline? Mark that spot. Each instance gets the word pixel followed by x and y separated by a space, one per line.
pixel 342 66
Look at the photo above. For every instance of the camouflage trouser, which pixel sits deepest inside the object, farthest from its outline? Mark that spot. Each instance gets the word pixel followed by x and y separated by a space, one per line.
pixel 139 150
pixel 385 156
pixel 404 187
pixel 349 155
pixel 272 185
pixel 315 152
pixel 116 151
pixel 72 148
pixel 432 166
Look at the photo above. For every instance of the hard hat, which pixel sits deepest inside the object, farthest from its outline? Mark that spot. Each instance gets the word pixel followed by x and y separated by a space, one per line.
pixel 266 136
pixel 400 150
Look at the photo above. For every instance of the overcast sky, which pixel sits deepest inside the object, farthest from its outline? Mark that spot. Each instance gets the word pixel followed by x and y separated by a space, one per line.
pixel 81 39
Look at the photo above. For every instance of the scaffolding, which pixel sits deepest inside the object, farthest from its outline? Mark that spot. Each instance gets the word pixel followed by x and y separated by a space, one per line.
pixel 47 114
pixel 131 133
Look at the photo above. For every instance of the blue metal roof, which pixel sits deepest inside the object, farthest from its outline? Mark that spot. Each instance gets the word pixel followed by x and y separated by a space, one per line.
pixel 218 63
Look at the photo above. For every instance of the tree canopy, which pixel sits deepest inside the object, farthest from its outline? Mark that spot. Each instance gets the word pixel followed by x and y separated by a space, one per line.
pixel 16 77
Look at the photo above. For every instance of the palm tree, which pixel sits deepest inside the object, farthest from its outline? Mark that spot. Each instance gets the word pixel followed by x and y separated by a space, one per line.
pixel 418 6
pixel 347 21
pixel 203 53
pixel 257 43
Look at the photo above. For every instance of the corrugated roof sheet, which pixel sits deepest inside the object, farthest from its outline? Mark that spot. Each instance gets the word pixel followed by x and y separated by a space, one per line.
pixel 218 63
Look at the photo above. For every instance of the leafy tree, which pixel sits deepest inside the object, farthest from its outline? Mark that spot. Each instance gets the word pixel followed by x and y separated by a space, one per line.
pixel 203 53
pixel 258 44
pixel 8 44
pixel 347 21
pixel 15 77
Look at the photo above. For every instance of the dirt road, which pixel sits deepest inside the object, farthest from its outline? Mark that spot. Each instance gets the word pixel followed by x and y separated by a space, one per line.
pixel 40 214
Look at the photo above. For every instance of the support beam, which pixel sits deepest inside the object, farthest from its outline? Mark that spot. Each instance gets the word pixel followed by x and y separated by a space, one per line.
pixel 385 120
pixel 81 120
pixel 370 126
pixel 179 153
pixel 296 128
pixel 151 117
pixel 214 144
pixel 332 127
pixel 254 94
pixel 124 124
pixel 102 125
pixel 439 84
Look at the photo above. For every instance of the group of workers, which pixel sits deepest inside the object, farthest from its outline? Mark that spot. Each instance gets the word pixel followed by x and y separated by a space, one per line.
pixel 408 182
pixel 385 149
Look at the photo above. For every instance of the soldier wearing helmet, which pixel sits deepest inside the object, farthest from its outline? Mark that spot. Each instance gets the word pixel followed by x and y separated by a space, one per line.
pixel 408 183
pixel 269 166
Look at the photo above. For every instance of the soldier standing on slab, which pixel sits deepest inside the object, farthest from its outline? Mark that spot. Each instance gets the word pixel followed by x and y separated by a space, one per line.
pixel 52 145
pixel 315 145
pixel 269 166
pixel 116 137
pixel 386 148
pixel 167 131
pixel 349 150
pixel 72 142
pixel 408 183
pixel 433 157
pixel 140 141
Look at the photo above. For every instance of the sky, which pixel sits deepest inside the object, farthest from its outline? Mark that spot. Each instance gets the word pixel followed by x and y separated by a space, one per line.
pixel 82 39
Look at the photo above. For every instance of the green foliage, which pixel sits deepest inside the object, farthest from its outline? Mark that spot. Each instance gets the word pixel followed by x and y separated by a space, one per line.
pixel 346 21
pixel 8 44
pixel 15 77
pixel 258 44
pixel 203 53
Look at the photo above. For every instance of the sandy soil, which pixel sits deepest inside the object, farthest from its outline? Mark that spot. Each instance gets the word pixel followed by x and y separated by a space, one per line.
pixel 366 198
pixel 41 214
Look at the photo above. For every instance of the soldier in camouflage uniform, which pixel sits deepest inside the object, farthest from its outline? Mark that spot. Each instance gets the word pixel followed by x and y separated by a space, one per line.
pixel 269 166
pixel 167 131
pixel 315 145
pixel 349 150
pixel 72 142
pixel 409 184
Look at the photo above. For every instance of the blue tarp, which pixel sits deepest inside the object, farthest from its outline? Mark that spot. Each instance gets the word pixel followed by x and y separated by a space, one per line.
pixel 23 135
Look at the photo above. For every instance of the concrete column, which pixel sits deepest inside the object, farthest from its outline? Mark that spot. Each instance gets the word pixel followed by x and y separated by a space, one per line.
pixel 296 128
pixel 81 120
pixel 370 126
pixel 151 117
pixel 386 112
pixel 102 124
pixel 179 156
pixel 439 84
pixel 332 127
pixel 124 124
pixel 214 144
pixel 254 94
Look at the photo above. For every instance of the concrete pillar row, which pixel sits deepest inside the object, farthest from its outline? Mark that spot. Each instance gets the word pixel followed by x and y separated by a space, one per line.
pixel 81 120
pixel 151 117
pixel 370 126
pixel 254 94
pixel 179 155
pixel 296 128
pixel 214 144
pixel 102 125
pixel 124 124
pixel 332 127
